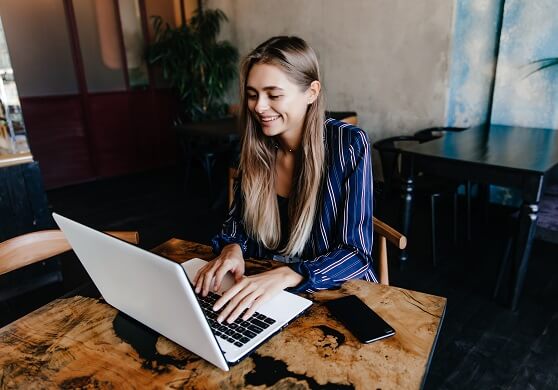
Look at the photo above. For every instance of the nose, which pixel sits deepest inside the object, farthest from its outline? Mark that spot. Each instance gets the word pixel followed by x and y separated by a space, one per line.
pixel 261 104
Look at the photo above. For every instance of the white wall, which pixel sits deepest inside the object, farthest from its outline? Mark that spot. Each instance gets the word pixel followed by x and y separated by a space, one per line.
pixel 385 59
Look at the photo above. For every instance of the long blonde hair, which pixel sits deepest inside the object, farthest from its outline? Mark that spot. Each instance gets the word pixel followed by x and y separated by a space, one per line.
pixel 257 160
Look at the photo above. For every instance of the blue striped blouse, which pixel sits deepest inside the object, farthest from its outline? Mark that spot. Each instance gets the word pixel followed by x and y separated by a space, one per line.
pixel 340 245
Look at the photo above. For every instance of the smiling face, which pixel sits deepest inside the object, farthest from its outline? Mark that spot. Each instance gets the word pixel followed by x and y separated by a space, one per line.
pixel 277 103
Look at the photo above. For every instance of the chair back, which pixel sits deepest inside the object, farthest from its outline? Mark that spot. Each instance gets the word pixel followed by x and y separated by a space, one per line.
pixel 390 158
pixel 433 133
pixel 33 247
pixel 547 221
pixel 343 116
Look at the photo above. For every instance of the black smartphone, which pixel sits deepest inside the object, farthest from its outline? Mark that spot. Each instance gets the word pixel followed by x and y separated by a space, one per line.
pixel 361 320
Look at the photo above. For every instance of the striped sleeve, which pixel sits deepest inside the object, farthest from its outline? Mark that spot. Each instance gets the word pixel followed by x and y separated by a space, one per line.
pixel 350 256
pixel 232 231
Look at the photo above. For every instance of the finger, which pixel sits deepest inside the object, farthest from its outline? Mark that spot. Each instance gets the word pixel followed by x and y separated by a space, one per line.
pixel 198 275
pixel 220 274
pixel 243 305
pixel 198 279
pixel 208 278
pixel 238 274
pixel 199 285
pixel 233 303
pixel 254 306
pixel 228 295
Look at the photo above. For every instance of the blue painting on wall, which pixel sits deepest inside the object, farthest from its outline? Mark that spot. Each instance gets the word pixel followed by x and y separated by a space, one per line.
pixel 529 33
pixel 473 56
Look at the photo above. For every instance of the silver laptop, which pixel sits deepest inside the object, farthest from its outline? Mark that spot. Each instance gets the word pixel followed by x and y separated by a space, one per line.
pixel 158 293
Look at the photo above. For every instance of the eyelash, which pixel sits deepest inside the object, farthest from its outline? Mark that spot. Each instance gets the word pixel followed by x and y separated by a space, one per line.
pixel 272 97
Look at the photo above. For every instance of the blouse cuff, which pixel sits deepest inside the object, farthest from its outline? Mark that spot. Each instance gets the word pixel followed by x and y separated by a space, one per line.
pixel 307 283
pixel 221 240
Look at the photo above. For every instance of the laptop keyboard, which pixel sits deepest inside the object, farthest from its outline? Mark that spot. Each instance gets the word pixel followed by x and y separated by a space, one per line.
pixel 239 332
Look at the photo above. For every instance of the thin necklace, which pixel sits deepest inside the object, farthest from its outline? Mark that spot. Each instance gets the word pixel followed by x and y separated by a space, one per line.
pixel 276 145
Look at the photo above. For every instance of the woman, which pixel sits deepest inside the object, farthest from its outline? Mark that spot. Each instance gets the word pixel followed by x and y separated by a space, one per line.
pixel 305 191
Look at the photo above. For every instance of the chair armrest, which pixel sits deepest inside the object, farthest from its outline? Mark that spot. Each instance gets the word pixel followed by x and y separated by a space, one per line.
pixel 37 246
pixel 392 235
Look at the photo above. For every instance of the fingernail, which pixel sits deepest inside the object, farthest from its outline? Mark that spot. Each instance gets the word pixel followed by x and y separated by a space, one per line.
pixel 219 319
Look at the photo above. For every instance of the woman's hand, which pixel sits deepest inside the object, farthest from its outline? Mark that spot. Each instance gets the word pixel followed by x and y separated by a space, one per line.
pixel 210 276
pixel 250 292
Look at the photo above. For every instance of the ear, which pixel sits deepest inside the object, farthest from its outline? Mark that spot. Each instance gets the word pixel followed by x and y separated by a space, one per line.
pixel 314 91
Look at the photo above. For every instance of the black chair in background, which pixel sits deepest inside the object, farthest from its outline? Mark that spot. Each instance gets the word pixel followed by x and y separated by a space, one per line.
pixel 546 230
pixel 432 133
pixel 434 189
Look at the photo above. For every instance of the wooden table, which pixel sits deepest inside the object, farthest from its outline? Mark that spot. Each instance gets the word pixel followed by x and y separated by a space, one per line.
pixel 508 156
pixel 83 342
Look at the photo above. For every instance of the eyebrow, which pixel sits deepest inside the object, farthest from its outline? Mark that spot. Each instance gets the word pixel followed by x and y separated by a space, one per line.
pixel 270 88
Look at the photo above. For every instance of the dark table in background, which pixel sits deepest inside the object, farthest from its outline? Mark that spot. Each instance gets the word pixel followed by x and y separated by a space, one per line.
pixel 508 156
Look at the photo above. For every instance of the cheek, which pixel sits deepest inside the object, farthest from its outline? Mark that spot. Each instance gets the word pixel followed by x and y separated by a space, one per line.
pixel 293 107
pixel 251 105
pixel 298 109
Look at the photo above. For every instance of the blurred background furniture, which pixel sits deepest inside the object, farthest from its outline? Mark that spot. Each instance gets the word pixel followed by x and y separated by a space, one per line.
pixel 508 156
pixel 546 230
pixel 349 117
pixel 23 201
pixel 208 142
pixel 430 186
pixel 432 133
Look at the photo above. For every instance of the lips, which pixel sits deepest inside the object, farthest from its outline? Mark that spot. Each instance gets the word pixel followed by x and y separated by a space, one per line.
pixel 267 119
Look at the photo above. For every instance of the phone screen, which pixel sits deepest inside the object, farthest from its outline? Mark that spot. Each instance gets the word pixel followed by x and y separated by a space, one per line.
pixel 362 321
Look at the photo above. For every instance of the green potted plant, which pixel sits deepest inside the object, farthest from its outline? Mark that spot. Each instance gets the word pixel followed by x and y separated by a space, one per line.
pixel 197 66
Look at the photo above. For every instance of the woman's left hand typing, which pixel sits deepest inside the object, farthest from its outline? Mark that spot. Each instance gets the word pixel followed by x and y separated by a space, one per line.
pixel 252 291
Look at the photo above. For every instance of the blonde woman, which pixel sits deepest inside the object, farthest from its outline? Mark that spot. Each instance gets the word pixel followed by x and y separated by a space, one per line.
pixel 304 196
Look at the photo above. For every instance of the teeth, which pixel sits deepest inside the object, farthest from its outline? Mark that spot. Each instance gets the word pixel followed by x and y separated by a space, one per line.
pixel 269 119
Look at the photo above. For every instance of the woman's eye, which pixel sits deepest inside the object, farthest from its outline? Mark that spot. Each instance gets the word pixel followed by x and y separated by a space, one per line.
pixel 275 97
pixel 252 97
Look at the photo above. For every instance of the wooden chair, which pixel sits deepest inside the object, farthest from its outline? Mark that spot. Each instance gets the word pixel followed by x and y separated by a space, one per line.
pixel 34 247
pixel 349 117
pixel 383 231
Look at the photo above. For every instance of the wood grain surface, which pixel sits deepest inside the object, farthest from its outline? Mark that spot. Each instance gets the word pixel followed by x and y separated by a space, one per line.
pixel 83 342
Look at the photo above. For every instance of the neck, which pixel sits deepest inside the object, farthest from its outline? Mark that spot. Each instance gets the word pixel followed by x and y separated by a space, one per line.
pixel 286 148
pixel 289 143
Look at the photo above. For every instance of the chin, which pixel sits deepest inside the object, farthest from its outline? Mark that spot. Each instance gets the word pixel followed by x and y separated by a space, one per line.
pixel 272 131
